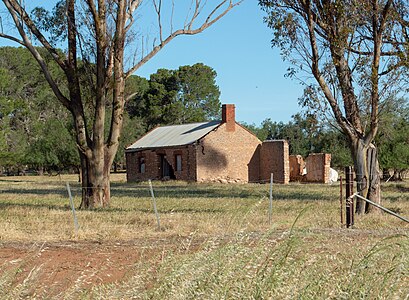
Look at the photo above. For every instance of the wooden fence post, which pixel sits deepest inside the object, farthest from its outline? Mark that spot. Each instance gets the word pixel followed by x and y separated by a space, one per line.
pixel 349 191
pixel 341 196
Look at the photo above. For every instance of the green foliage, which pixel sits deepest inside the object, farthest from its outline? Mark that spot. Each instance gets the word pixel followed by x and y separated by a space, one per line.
pixel 186 95
pixel 133 128
pixel 53 147
pixel 393 137
pixel 53 22
pixel 35 128
pixel 198 93
pixel 335 142
pixel 306 135
pixel 135 87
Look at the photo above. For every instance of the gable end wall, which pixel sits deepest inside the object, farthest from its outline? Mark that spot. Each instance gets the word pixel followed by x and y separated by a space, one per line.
pixel 228 156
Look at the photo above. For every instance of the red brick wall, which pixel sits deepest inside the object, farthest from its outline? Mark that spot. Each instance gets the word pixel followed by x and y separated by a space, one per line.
pixel 229 116
pixel 153 164
pixel 318 165
pixel 297 165
pixel 274 158
pixel 132 165
pixel 228 156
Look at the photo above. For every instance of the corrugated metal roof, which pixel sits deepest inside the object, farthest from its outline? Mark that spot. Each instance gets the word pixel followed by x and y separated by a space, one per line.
pixel 174 135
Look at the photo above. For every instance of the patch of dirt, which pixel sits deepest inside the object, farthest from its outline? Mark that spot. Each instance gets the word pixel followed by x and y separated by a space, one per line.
pixel 50 269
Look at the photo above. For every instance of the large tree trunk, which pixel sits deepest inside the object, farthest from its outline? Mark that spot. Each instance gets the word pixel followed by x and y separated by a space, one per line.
pixel 368 176
pixel 95 182
pixel 374 193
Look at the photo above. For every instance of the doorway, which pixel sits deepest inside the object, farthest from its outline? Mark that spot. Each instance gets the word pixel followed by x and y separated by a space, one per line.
pixel 166 168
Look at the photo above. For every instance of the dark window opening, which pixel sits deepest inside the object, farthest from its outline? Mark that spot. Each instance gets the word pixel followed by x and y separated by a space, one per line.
pixel 142 165
pixel 178 162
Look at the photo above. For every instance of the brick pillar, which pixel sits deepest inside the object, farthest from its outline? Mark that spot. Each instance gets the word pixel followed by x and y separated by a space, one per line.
pixel 297 165
pixel 229 116
pixel 327 167
pixel 318 165
pixel 274 158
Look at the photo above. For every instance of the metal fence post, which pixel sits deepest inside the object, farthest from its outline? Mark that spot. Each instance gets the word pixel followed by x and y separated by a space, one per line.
pixel 270 208
pixel 76 226
pixel 154 204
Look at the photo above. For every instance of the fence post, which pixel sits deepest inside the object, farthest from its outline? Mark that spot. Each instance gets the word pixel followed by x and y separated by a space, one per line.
pixel 270 208
pixel 340 200
pixel 349 191
pixel 76 226
pixel 154 204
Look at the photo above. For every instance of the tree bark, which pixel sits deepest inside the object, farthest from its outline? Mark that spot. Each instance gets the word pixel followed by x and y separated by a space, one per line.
pixel 367 174
pixel 374 193
pixel 95 182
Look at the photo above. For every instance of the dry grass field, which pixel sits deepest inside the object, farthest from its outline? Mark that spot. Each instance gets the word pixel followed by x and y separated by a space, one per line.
pixel 215 242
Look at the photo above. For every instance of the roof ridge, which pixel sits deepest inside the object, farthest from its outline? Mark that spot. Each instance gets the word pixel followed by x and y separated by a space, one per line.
pixel 184 124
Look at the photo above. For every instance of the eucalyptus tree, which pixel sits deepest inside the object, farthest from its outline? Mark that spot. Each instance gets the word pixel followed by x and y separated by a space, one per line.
pixel 28 120
pixel 351 50
pixel 111 39
pixel 188 94
pixel 393 138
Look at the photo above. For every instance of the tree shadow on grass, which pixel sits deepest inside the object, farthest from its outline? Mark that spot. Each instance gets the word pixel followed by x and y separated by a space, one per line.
pixel 190 210
pixel 40 191
pixel 177 192
pixel 140 191
pixel 300 196
pixel 402 188
pixel 8 204
pixel 190 191
pixel 66 207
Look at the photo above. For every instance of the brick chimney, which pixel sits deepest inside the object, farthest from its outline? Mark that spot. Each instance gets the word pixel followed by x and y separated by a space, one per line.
pixel 229 116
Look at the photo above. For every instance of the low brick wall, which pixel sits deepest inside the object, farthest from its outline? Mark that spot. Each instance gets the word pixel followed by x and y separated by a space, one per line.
pixel 318 166
pixel 297 165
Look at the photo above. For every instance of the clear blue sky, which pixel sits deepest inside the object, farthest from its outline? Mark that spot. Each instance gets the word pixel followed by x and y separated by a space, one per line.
pixel 250 72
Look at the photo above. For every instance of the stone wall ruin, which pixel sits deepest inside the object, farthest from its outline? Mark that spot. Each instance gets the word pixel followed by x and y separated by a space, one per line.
pixel 315 168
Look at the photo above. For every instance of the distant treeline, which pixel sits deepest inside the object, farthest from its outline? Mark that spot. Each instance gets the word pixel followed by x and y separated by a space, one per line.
pixel 37 132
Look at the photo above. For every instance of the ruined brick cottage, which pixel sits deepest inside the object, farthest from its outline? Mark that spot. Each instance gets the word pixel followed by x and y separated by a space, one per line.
pixel 215 151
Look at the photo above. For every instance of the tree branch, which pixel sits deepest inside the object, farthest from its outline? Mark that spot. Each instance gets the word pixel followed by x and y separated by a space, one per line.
pixel 210 20
pixel 15 7
pixel 12 38
pixel 37 56
pixel 318 76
